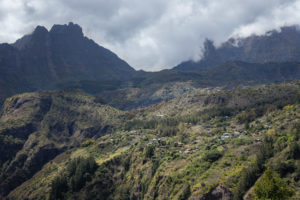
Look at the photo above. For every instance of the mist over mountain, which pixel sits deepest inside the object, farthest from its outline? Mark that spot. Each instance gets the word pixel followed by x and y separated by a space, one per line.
pixel 274 46
pixel 63 58
pixel 213 129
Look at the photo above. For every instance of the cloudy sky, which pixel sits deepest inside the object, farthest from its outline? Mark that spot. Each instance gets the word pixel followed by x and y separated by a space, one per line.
pixel 150 34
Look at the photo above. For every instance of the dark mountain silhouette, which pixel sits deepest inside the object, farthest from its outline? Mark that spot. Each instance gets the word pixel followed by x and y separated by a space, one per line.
pixel 63 58
pixel 274 46
pixel 49 59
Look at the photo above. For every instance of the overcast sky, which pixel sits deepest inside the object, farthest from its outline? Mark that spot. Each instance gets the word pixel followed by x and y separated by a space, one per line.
pixel 150 34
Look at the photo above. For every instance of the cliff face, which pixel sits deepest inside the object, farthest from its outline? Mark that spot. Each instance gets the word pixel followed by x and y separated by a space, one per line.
pixel 63 54
pixel 49 59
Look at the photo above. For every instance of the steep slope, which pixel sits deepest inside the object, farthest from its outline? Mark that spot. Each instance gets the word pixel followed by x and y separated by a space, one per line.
pixel 36 127
pixel 211 146
pixel 56 58
pixel 240 98
pixel 154 87
pixel 63 54
pixel 64 58
pixel 274 46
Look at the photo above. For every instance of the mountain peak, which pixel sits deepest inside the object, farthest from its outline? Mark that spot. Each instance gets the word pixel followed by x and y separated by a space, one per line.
pixel 209 48
pixel 294 28
pixel 273 46
pixel 70 29
pixel 36 37
pixel 40 30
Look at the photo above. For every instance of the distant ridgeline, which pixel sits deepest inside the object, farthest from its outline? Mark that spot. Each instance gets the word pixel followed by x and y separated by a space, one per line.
pixel 64 58
pixel 274 46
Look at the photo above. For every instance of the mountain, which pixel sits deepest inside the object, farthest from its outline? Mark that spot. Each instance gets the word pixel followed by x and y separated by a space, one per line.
pixel 202 145
pixel 36 127
pixel 154 87
pixel 56 58
pixel 63 58
pixel 227 128
pixel 274 46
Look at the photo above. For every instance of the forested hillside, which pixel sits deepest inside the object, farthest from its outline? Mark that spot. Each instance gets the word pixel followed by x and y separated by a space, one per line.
pixel 236 144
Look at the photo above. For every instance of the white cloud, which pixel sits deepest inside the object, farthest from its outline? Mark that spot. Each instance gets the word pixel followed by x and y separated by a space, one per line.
pixel 150 34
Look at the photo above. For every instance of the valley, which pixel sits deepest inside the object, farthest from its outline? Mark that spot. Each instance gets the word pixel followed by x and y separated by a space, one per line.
pixel 77 122
pixel 199 146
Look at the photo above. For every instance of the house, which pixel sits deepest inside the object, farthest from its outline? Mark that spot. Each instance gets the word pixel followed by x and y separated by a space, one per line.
pixel 187 151
pixel 236 133
pixel 225 136
pixel 258 140
pixel 179 144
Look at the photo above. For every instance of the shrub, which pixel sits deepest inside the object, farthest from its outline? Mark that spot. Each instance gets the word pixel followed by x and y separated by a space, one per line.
pixel 58 187
pixel 288 107
pixel 185 193
pixel 212 156
pixel 167 130
pixel 281 143
pixel 126 163
pixel 155 166
pixel 78 172
pixel 226 164
pixel 297 172
pixel 242 141
pixel 149 151
pixel 284 168
pixel 250 174
pixel 271 186
pixel 294 150
pixel 87 143
pixel 81 170
pixel 246 116
pixel 296 130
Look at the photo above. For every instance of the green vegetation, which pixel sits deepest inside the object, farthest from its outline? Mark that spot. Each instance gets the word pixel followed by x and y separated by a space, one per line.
pixel 36 127
pixel 271 186
pixel 87 143
pixel 212 156
pixel 230 143
pixel 219 132
pixel 250 174
pixel 78 172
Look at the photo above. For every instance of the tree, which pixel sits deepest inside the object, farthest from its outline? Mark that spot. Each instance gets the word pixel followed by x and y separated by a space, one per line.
pixel 149 152
pixel 58 186
pixel 272 187
pixel 294 151
pixel 186 192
